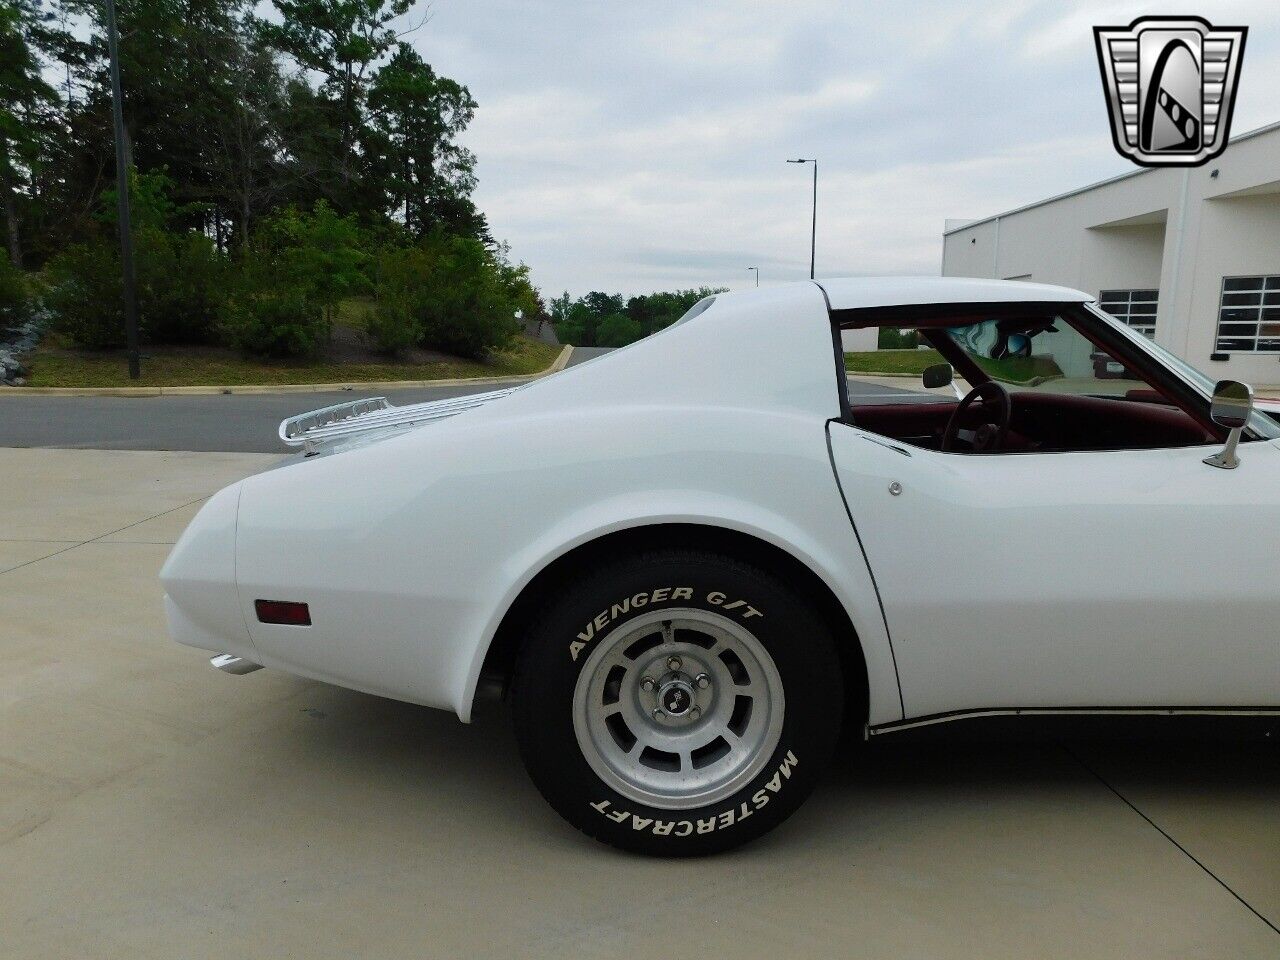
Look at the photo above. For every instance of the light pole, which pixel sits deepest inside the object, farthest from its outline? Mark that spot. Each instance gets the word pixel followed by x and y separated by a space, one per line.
pixel 122 191
pixel 757 270
pixel 813 230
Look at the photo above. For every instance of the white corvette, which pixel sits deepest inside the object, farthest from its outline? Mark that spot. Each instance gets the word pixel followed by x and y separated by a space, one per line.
pixel 689 563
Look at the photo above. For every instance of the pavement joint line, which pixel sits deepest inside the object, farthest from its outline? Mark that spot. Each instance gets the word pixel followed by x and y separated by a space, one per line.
pixel 1185 852
pixel 74 546
pixel 36 540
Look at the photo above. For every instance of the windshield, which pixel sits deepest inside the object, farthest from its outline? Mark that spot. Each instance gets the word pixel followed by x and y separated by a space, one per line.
pixel 1259 422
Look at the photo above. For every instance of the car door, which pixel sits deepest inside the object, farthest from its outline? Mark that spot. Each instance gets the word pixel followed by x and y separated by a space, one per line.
pixel 1104 578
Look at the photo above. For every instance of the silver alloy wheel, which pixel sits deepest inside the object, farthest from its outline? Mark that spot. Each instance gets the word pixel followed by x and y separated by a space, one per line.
pixel 679 708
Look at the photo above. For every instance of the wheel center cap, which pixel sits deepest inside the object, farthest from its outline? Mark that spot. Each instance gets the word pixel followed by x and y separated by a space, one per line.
pixel 675 697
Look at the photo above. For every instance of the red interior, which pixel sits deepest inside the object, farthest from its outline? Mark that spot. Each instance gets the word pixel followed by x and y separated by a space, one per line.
pixel 1047 421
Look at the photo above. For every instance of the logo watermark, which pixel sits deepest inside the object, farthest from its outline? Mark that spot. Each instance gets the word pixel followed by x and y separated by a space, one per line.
pixel 1171 86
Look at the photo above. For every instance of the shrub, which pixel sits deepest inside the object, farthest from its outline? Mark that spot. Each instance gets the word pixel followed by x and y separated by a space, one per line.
pixel 179 285
pixel 272 319
pixel 14 296
pixel 394 325
pixel 317 251
pixel 85 296
pixel 891 338
pixel 451 294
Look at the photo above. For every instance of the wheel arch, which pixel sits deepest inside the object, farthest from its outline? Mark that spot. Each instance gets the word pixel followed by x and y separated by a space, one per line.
pixel 500 656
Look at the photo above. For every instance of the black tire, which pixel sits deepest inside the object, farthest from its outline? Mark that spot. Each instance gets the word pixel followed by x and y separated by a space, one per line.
pixel 790 631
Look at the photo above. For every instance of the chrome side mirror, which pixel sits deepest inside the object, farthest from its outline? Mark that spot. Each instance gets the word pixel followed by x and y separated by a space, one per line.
pixel 1232 404
pixel 939 375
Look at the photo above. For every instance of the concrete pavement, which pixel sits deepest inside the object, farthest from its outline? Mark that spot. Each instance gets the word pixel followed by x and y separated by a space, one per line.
pixel 151 807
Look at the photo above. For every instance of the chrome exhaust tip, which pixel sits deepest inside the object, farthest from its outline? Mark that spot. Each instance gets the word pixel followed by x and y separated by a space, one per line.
pixel 229 663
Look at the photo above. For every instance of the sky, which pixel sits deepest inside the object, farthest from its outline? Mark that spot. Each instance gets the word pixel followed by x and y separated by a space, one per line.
pixel 631 147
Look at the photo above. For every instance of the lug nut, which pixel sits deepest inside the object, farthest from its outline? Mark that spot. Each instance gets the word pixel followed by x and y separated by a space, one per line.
pixel 695 712
pixel 647 684
pixel 674 663
pixel 702 680
pixel 657 713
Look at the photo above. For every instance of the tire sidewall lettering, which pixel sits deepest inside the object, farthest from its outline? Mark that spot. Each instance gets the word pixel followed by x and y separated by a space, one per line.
pixel 716 600
pixel 735 814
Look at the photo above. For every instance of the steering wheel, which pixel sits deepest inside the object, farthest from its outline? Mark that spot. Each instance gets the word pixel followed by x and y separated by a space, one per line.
pixel 989 436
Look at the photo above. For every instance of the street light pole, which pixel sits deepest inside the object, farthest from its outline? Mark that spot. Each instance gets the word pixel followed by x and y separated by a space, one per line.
pixel 122 198
pixel 813 229
pixel 757 270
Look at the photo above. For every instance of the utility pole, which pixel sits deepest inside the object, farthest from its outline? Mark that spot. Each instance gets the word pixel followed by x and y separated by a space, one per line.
pixel 757 270
pixel 813 229
pixel 122 191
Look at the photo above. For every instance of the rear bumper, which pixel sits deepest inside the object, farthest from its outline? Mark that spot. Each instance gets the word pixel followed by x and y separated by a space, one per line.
pixel 201 602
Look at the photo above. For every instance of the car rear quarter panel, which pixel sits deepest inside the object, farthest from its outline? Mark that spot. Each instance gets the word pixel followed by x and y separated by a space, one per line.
pixel 410 560
pixel 410 551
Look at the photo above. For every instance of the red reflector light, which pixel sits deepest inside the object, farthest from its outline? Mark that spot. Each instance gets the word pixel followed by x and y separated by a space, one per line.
pixel 283 611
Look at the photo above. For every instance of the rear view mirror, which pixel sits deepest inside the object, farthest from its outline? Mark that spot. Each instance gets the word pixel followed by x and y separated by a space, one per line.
pixel 1231 406
pixel 938 375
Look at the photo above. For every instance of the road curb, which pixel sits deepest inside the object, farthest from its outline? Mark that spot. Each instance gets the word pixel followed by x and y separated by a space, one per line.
pixel 560 362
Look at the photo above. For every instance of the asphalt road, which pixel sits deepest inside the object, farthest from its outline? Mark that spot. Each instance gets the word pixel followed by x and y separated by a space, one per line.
pixel 241 423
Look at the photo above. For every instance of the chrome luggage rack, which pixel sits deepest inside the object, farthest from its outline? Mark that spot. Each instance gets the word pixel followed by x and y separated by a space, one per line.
pixel 309 430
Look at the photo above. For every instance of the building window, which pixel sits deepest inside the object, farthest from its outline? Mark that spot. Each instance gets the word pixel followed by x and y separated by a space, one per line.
pixel 1137 308
pixel 1249 316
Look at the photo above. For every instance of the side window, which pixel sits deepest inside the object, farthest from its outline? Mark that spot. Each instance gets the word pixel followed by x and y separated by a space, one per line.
pixel 885 365
pixel 1047 355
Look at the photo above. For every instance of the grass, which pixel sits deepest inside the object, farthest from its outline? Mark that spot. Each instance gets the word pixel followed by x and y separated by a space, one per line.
pixel 908 362
pixel 1021 370
pixel 354 312
pixel 53 366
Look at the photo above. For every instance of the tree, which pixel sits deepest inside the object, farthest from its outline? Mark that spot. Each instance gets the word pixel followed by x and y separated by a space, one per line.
pixel 24 101
pixel 341 40
pixel 319 252
pixel 248 155
pixel 414 117
pixel 449 293
pixel 618 329
pixel 601 319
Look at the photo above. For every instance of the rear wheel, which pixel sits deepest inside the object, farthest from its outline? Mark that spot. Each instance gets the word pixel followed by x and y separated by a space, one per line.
pixel 677 703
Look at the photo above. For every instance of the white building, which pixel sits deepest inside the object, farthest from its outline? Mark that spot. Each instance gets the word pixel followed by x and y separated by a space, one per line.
pixel 1188 256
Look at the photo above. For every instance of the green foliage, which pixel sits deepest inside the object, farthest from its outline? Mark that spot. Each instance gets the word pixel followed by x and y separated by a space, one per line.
pixel 26 123
pixel 180 277
pixel 85 295
pixel 274 154
pixel 396 323
pixel 891 338
pixel 409 146
pixel 180 286
pixel 246 111
pixel 319 253
pixel 602 319
pixel 451 294
pixel 268 316
pixel 298 267
pixel 14 303
pixel 151 203
pixel 181 283
pixel 617 330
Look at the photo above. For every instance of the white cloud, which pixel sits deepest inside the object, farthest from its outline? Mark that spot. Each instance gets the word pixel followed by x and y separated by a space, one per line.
pixel 634 147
